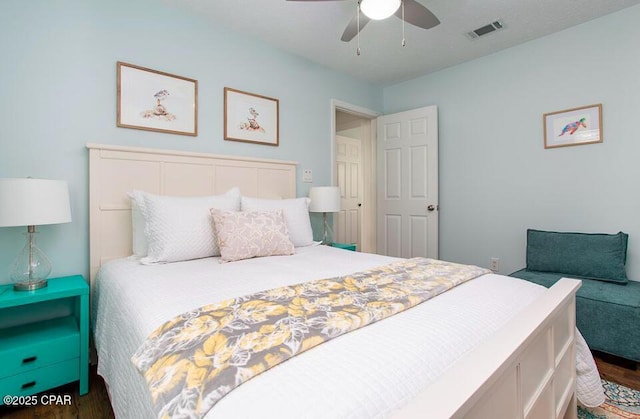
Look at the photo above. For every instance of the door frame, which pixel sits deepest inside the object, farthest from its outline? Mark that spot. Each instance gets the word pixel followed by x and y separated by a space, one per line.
pixel 368 231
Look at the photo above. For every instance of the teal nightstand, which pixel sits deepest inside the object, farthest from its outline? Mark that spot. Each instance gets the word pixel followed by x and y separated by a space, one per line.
pixel 41 355
pixel 346 246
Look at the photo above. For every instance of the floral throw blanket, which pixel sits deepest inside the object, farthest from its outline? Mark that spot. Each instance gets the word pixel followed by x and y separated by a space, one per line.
pixel 194 360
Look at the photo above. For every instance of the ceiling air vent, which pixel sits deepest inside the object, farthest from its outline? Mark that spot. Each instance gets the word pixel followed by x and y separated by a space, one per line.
pixel 486 29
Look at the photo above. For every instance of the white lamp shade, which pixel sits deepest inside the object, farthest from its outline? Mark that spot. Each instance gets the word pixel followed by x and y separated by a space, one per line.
pixel 26 201
pixel 379 9
pixel 324 199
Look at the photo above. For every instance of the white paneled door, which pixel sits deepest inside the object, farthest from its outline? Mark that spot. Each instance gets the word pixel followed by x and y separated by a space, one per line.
pixel 407 183
pixel 350 180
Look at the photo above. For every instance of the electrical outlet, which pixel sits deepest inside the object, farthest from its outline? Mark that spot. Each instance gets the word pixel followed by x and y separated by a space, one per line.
pixel 307 176
pixel 494 264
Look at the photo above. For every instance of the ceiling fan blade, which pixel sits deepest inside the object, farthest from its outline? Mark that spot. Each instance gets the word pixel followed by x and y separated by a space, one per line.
pixel 352 28
pixel 417 15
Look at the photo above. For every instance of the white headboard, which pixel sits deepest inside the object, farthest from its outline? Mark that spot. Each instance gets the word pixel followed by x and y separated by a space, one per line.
pixel 116 170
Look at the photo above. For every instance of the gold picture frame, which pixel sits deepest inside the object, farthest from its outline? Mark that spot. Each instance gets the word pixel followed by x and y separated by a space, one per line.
pixel 577 126
pixel 251 118
pixel 153 100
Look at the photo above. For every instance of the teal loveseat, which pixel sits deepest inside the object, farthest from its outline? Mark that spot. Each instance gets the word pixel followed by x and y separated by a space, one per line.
pixel 607 304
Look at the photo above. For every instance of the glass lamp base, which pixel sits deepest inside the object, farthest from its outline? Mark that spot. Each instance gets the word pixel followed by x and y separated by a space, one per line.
pixel 31 267
pixel 30 285
pixel 328 233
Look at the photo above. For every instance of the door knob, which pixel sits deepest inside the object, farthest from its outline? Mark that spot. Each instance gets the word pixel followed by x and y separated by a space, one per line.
pixel 431 208
pixel 359 205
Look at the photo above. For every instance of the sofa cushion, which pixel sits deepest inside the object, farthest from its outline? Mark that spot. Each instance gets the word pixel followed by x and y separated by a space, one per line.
pixel 592 256
pixel 620 294
pixel 607 314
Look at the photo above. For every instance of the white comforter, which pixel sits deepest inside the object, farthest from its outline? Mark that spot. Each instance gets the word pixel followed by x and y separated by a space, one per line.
pixel 368 373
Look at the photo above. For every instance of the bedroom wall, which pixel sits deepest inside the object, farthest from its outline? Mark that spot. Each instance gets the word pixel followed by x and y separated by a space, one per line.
pixel 496 178
pixel 58 78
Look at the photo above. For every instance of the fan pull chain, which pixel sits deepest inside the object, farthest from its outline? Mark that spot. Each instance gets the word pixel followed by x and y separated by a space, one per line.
pixel 404 43
pixel 358 30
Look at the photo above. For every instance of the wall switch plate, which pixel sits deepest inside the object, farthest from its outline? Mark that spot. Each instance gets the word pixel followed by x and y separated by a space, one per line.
pixel 307 176
pixel 494 264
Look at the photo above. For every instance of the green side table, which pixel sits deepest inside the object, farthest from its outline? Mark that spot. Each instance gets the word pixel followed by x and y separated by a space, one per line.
pixel 44 354
pixel 346 246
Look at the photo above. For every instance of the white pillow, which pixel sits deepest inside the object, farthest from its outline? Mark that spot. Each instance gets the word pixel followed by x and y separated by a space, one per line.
pixel 249 234
pixel 180 228
pixel 296 216
pixel 139 239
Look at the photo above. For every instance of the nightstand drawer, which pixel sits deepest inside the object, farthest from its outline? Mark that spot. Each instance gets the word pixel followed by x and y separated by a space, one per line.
pixel 40 379
pixel 32 346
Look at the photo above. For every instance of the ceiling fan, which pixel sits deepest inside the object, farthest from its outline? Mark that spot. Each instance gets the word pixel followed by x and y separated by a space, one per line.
pixel 409 11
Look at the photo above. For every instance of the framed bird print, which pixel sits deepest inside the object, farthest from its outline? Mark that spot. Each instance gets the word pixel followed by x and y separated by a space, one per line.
pixel 251 118
pixel 575 126
pixel 155 101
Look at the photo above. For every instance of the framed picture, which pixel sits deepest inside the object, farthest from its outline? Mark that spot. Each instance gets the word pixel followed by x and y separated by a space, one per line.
pixel 575 126
pixel 251 118
pixel 155 101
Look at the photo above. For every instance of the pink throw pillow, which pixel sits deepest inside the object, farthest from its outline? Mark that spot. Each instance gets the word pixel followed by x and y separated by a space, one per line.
pixel 244 235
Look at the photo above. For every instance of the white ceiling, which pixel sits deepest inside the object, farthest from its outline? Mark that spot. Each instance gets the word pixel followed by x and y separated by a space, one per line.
pixel 312 30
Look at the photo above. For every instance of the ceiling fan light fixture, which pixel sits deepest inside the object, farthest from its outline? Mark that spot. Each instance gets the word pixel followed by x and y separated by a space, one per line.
pixel 379 9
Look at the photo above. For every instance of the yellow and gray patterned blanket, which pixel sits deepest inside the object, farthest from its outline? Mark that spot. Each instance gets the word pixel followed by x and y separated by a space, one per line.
pixel 194 360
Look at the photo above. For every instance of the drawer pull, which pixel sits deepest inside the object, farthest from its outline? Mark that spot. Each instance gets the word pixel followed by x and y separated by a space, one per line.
pixel 28 385
pixel 29 360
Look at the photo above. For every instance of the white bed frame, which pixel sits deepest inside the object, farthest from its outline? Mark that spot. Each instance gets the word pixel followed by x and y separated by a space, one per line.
pixel 524 371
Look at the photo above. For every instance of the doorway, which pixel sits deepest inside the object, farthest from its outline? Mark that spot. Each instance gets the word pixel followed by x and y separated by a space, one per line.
pixel 353 171
pixel 397 213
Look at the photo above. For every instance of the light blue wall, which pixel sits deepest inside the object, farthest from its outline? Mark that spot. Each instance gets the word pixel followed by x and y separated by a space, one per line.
pixel 58 92
pixel 57 79
pixel 497 180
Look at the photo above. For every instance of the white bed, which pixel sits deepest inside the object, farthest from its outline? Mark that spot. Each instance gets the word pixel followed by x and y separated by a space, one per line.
pixel 501 347
pixel 395 358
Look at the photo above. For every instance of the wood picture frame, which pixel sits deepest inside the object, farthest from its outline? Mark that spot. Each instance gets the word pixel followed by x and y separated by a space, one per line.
pixel 153 100
pixel 577 126
pixel 251 118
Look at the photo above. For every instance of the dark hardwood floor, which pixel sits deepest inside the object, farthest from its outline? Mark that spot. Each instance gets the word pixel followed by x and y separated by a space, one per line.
pixel 96 403
pixel 617 370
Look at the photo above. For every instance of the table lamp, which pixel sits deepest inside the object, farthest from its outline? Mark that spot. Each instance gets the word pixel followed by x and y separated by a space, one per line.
pixel 31 202
pixel 324 199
